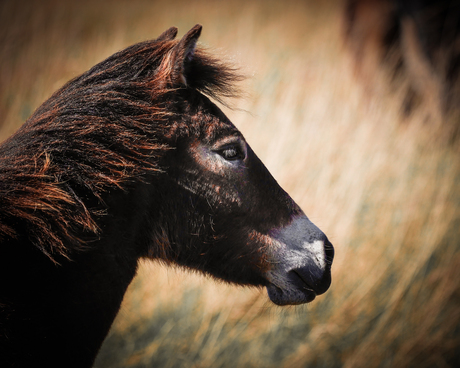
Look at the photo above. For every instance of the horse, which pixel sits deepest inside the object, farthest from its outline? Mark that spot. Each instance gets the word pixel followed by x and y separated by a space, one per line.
pixel 132 160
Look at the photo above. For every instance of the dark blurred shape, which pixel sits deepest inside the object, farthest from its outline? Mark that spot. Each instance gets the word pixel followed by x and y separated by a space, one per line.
pixel 416 39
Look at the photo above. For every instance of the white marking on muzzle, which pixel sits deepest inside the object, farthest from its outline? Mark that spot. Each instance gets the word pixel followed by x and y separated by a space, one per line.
pixel 291 253
pixel 318 253
pixel 290 259
pixel 300 265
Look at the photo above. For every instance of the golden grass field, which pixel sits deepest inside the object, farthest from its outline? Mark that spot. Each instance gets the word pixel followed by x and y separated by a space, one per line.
pixel 384 188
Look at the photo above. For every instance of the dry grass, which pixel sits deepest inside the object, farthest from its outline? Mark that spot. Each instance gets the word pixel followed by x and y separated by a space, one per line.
pixel 383 188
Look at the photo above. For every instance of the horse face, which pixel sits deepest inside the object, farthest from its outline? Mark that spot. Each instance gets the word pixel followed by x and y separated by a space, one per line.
pixel 241 225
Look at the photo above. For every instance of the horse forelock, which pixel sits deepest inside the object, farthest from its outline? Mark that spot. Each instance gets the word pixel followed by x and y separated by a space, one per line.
pixel 102 130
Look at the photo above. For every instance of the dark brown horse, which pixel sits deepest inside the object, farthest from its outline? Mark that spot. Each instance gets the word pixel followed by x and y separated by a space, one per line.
pixel 131 160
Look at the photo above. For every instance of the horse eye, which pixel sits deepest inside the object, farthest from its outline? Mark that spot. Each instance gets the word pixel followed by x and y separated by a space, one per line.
pixel 231 153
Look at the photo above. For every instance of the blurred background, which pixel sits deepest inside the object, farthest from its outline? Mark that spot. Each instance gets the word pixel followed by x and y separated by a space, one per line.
pixel 353 107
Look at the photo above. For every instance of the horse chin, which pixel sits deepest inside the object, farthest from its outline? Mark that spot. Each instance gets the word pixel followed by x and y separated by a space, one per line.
pixel 289 297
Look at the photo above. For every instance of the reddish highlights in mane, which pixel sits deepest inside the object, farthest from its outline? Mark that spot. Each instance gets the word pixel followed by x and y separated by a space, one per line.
pixel 103 130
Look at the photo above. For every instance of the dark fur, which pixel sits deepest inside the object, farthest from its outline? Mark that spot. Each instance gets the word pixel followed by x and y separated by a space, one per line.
pixel 104 173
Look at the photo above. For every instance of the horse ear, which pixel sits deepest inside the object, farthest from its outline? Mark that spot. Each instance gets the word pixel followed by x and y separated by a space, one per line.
pixel 183 54
pixel 168 35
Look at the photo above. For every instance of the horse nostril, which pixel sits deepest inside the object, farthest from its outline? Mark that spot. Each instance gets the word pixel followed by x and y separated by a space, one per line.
pixel 329 251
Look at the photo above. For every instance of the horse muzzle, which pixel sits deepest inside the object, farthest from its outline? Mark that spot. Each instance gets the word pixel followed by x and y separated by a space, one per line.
pixel 302 259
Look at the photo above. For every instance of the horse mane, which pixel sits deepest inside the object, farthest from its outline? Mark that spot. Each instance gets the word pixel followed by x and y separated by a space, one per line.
pixel 101 131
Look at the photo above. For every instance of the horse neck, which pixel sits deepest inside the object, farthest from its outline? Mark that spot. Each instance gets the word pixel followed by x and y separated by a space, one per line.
pixel 60 314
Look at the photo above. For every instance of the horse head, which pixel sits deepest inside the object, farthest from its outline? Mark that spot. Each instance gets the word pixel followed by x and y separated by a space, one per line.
pixel 224 213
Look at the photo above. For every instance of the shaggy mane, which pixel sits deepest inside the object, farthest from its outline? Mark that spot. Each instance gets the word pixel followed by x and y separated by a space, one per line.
pixel 100 131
